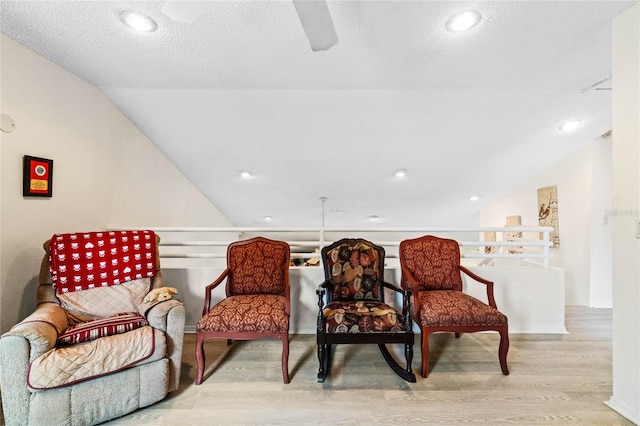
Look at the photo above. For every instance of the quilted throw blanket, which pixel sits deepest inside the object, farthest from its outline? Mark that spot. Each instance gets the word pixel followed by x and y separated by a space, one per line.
pixel 81 261
pixel 66 365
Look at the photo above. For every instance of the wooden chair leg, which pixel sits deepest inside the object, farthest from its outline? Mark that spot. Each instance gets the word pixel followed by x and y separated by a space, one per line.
pixel 503 350
pixel 425 354
pixel 408 355
pixel 199 358
pixel 322 355
pixel 324 361
pixel 285 358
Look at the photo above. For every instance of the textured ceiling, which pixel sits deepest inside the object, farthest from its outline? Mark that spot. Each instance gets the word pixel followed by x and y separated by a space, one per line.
pixel 240 89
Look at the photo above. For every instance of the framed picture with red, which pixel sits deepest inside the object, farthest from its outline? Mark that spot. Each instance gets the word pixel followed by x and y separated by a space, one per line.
pixel 37 177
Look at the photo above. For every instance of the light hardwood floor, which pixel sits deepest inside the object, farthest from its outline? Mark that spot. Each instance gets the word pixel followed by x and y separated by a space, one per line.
pixel 555 379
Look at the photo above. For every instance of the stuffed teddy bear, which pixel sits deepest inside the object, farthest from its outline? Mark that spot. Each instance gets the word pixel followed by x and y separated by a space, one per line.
pixel 160 294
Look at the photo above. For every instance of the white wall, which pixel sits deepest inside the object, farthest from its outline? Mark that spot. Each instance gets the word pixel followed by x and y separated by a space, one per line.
pixel 106 172
pixel 531 297
pixel 626 204
pixel 601 230
pixel 578 197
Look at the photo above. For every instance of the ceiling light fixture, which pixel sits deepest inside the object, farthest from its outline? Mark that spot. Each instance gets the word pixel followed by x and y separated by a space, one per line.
pixel 474 198
pixel 400 173
pixel 373 218
pixel 570 125
pixel 138 21
pixel 245 175
pixel 463 21
pixel 268 218
pixel 323 200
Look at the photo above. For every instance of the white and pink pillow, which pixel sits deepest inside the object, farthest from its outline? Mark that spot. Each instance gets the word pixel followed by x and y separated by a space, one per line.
pixel 91 330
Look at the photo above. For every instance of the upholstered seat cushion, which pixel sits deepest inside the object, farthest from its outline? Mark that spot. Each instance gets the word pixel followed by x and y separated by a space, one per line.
pixel 361 317
pixel 453 308
pixel 247 313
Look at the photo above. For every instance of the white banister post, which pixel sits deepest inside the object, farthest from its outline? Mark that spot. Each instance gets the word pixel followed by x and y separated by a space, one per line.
pixel 321 239
pixel 545 248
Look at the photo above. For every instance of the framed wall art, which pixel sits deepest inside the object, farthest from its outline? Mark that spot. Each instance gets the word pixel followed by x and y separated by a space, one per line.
pixel 37 177
pixel 548 211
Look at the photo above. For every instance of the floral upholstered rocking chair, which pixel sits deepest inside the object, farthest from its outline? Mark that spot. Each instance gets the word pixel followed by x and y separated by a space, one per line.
pixel 352 308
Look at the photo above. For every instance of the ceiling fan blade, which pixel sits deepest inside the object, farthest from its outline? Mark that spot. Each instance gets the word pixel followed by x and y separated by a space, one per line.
pixel 317 23
pixel 183 11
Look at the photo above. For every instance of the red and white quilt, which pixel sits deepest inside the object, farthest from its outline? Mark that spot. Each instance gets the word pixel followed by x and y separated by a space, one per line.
pixel 81 261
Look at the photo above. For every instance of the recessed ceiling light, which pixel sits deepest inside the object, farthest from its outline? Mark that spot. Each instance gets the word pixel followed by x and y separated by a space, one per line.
pixel 245 175
pixel 400 173
pixel 373 218
pixel 570 125
pixel 267 218
pixel 138 21
pixel 474 198
pixel 463 21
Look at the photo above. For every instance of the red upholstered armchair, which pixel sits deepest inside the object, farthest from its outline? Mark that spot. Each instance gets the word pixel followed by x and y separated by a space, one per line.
pixel 352 308
pixel 257 305
pixel 431 270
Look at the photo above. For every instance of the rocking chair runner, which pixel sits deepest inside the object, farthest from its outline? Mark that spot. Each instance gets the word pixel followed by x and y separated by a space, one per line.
pixel 354 310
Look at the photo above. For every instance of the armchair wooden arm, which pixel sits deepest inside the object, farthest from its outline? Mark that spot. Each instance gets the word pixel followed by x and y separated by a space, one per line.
pixel 414 289
pixel 406 303
pixel 209 289
pixel 321 290
pixel 481 280
pixel 323 286
pixel 392 286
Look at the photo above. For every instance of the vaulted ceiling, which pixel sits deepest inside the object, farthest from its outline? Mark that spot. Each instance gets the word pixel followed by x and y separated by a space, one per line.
pixel 239 89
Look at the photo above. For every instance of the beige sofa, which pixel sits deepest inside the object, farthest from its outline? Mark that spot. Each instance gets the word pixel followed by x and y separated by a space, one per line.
pixel 44 382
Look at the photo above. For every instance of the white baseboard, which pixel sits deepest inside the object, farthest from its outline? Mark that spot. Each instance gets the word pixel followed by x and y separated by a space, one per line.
pixel 623 409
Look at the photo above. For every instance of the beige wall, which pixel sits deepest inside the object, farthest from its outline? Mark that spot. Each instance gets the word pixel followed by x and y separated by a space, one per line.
pixel 106 173
pixel 626 202
pixel 583 199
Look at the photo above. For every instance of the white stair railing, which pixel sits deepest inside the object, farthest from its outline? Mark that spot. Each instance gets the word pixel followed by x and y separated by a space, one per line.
pixel 211 242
